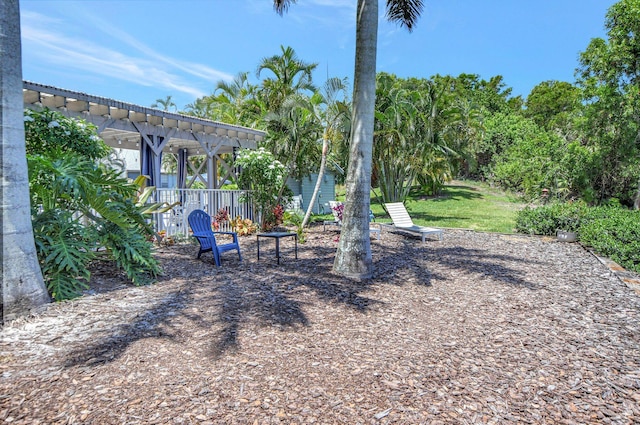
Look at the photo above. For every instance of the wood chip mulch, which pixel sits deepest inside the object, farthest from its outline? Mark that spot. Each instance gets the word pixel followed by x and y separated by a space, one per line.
pixel 476 328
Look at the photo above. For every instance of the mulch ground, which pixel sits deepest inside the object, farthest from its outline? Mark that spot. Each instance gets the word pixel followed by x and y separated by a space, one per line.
pixel 477 328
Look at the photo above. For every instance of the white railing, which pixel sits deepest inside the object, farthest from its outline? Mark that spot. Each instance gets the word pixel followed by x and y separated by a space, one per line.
pixel 210 200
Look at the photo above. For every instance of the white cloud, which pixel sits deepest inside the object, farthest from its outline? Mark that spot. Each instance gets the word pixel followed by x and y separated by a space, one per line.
pixel 191 68
pixel 45 39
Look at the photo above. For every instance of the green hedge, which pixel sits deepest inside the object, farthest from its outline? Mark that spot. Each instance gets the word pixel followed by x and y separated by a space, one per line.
pixel 615 235
pixel 547 219
pixel 611 231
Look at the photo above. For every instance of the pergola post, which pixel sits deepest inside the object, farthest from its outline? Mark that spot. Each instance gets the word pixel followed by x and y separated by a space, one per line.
pixel 212 178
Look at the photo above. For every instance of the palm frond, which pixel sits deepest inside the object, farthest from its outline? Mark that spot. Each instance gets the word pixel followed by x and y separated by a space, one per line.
pixel 282 6
pixel 404 12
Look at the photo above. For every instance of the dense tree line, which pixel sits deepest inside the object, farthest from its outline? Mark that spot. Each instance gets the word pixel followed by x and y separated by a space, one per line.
pixel 576 140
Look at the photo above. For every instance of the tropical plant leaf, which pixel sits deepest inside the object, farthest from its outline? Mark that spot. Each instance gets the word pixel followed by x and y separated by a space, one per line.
pixel 64 253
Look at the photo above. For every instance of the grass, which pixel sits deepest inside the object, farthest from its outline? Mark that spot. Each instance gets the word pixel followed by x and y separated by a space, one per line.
pixel 462 204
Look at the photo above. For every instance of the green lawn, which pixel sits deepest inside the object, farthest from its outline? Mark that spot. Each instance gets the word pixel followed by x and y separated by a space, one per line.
pixel 462 204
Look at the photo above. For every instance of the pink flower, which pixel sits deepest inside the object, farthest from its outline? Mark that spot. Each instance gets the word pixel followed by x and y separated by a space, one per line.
pixel 339 209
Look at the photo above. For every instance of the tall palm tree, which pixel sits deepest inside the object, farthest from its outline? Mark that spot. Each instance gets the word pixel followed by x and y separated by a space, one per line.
pixel 293 131
pixel 290 75
pixel 23 287
pixel 332 118
pixel 237 101
pixel 353 258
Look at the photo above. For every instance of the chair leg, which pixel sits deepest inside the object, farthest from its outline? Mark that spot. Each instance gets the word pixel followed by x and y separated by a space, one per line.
pixel 239 256
pixel 216 258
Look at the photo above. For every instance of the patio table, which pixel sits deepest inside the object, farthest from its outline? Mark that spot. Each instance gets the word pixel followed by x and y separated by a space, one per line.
pixel 277 236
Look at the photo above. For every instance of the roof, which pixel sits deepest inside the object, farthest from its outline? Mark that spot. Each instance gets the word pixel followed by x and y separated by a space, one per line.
pixel 121 124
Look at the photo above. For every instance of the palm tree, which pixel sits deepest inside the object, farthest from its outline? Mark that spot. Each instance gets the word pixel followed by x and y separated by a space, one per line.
pixel 353 258
pixel 23 288
pixel 332 118
pixel 293 131
pixel 200 108
pixel 236 102
pixel 397 119
pixel 292 75
pixel 166 103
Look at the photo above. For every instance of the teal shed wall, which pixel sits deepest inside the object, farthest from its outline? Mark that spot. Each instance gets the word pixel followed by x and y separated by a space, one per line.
pixel 305 187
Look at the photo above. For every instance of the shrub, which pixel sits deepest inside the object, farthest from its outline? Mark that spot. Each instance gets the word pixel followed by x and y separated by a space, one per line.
pixel 80 204
pixel 611 230
pixel 48 131
pixel 243 226
pixel 292 219
pixel 614 233
pixel 273 218
pixel 263 175
pixel 547 219
pixel 64 253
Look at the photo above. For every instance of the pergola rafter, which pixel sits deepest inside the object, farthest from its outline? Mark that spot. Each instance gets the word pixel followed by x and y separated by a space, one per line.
pixel 128 126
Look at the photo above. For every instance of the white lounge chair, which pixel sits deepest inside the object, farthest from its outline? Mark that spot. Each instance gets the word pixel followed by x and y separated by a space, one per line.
pixel 402 221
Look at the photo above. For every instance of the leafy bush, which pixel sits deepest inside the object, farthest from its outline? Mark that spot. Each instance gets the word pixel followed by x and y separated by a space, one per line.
pixel 611 231
pixel 64 252
pixel 264 176
pixel 80 204
pixel 131 251
pixel 614 233
pixel 292 219
pixel 547 219
pixel 243 226
pixel 49 131
pixel 273 218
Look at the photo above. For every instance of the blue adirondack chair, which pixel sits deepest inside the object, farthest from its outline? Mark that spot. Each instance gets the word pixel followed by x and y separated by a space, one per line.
pixel 200 223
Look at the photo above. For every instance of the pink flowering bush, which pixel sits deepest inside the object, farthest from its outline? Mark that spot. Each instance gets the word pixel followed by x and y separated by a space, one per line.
pixel 338 210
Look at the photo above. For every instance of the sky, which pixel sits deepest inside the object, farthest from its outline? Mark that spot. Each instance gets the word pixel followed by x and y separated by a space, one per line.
pixel 138 51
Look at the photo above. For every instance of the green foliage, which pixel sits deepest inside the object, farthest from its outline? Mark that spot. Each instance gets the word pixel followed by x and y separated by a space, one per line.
pixel 290 75
pixel 610 78
pixel 553 105
pixel 64 252
pixel 234 102
pixel 531 159
pixel 131 251
pixel 294 130
pixel 80 204
pixel 614 233
pixel 144 195
pixel 49 131
pixel 263 175
pixel 408 143
pixel 291 218
pixel 547 219
pixel 230 186
pixel 165 104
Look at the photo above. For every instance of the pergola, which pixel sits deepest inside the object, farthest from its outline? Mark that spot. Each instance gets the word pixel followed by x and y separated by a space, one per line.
pixel 151 131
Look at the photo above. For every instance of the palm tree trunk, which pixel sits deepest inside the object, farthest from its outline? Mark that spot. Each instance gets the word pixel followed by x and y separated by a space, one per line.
pixel 316 189
pixel 353 257
pixel 23 288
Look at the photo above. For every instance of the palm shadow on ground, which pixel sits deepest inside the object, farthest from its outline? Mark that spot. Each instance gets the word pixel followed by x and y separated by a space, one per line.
pixel 221 302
